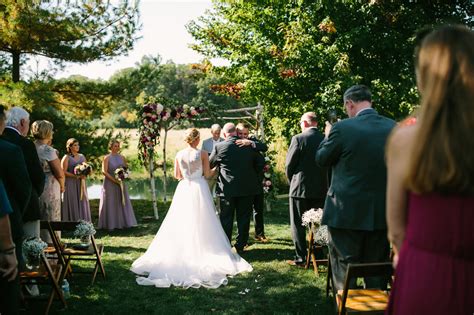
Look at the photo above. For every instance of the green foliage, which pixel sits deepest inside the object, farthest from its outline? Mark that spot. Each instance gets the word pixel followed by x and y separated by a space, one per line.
pixel 297 56
pixel 77 31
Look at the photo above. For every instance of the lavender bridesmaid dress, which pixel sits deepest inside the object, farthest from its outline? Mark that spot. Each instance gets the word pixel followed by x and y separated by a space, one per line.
pixel 112 213
pixel 73 208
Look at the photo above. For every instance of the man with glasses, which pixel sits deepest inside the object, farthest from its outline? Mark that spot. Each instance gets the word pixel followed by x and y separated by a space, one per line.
pixel 355 204
pixel 308 181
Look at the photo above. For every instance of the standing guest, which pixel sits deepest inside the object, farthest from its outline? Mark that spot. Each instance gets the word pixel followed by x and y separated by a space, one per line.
pixel 430 193
pixel 17 127
pixel 355 204
pixel 17 183
pixel 115 209
pixel 209 143
pixel 258 202
pixel 50 199
pixel 308 181
pixel 75 204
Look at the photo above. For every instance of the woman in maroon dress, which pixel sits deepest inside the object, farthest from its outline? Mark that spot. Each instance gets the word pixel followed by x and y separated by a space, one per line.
pixel 430 191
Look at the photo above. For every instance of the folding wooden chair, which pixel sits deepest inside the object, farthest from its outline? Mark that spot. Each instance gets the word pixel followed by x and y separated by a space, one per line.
pixel 47 275
pixel 312 249
pixel 69 253
pixel 369 301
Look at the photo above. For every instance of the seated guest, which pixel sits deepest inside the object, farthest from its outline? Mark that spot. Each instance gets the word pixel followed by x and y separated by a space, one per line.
pixel 430 193
pixel 50 199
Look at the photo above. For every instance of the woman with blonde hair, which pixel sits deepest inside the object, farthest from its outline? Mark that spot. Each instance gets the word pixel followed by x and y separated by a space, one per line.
pixel 115 208
pixel 430 191
pixel 50 199
pixel 190 249
pixel 75 205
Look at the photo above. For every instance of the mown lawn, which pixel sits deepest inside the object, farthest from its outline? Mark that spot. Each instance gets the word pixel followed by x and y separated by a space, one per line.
pixel 272 288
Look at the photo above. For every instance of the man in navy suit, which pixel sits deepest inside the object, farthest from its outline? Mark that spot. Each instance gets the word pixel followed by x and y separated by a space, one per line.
pixel 355 204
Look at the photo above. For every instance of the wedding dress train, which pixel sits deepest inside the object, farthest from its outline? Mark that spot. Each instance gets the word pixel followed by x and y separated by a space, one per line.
pixel 190 248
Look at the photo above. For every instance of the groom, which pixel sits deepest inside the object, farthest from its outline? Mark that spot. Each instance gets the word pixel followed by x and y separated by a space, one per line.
pixel 237 183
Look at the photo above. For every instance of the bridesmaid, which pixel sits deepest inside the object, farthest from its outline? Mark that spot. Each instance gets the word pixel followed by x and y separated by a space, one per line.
pixel 74 208
pixel 50 199
pixel 114 213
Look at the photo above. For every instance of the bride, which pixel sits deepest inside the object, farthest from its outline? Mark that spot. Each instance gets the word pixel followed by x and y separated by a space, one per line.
pixel 190 249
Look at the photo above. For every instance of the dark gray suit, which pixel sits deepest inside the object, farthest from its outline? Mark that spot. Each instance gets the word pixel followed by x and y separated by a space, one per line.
pixel 308 184
pixel 355 204
pixel 237 184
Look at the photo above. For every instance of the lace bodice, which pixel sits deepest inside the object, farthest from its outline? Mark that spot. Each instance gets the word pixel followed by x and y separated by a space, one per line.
pixel 190 163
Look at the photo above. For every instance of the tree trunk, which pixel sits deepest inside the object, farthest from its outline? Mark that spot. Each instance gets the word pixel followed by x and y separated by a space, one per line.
pixel 16 66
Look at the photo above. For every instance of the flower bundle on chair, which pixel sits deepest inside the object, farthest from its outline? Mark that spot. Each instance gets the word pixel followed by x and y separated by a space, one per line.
pixel 83 169
pixel 121 174
pixel 312 219
pixel 32 249
pixel 84 230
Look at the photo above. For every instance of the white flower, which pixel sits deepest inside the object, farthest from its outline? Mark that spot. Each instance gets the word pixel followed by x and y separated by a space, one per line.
pixel 267 159
pixel 159 108
pixel 267 175
pixel 185 107
pixel 312 216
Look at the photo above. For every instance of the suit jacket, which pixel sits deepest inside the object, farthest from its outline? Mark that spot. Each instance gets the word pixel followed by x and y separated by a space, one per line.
pixel 307 179
pixel 17 183
pixel 238 167
pixel 208 145
pixel 35 171
pixel 355 149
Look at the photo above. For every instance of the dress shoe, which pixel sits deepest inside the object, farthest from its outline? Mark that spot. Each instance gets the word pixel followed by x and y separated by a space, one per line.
pixel 296 263
pixel 261 238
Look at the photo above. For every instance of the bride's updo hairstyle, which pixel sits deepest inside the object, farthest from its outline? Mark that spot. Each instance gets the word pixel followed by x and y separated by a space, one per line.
pixel 190 135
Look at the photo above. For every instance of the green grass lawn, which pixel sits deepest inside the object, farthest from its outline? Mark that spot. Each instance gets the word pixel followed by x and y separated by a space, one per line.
pixel 272 287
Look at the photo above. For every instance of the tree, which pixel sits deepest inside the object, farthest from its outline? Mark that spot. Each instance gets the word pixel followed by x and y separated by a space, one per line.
pixel 297 56
pixel 77 31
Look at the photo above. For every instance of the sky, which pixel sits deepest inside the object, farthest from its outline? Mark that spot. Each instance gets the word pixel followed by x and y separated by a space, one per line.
pixel 163 32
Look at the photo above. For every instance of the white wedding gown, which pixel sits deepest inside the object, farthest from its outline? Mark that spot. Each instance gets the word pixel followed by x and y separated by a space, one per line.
pixel 190 249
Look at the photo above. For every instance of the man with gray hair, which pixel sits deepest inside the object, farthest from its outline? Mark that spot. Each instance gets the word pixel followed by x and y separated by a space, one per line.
pixel 308 182
pixel 16 130
pixel 354 210
pixel 237 183
pixel 209 143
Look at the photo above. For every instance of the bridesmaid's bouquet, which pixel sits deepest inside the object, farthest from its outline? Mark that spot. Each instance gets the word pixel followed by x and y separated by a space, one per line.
pixel 121 174
pixel 83 169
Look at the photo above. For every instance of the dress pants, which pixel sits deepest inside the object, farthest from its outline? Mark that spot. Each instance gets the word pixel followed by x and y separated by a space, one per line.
pixel 357 246
pixel 298 206
pixel 242 206
pixel 258 214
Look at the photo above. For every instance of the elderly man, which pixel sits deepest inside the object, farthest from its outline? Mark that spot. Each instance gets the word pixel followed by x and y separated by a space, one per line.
pixel 17 184
pixel 237 183
pixel 355 204
pixel 308 181
pixel 209 143
pixel 16 130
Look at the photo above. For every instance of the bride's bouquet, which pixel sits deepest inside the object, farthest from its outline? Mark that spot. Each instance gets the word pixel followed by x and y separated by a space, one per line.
pixel 122 173
pixel 83 169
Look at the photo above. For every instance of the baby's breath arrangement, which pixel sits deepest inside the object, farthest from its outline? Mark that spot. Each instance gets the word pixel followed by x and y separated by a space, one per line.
pixel 33 247
pixel 84 228
pixel 312 219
